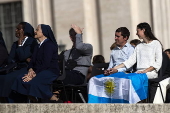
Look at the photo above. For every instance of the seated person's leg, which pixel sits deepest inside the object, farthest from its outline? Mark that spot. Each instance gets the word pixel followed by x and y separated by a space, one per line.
pixel 74 77
pixel 38 87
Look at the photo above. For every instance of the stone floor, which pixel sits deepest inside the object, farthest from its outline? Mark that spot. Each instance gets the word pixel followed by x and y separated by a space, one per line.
pixel 84 108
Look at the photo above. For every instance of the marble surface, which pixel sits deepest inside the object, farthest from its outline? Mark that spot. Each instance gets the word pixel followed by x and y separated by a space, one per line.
pixel 84 108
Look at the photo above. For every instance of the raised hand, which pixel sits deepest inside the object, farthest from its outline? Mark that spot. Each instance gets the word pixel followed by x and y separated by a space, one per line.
pixel 76 28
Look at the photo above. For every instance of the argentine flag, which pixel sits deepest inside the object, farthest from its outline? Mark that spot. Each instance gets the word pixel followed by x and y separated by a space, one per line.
pixel 118 88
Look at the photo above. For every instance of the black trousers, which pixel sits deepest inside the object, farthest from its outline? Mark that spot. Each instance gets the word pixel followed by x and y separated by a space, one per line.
pixel 74 77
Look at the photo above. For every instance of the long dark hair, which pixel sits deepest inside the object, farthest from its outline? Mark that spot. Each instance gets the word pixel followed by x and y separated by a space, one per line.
pixel 148 31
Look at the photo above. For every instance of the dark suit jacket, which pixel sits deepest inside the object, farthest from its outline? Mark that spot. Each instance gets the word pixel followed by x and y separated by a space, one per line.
pixel 165 65
pixel 3 55
pixel 21 53
pixel 45 58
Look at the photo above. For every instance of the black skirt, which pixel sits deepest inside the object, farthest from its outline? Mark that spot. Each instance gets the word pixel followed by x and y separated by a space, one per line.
pixel 39 86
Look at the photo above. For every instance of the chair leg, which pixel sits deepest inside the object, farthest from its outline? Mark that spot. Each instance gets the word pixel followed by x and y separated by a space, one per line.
pixel 161 93
pixel 64 91
pixel 148 99
pixel 75 96
pixel 81 96
pixel 72 95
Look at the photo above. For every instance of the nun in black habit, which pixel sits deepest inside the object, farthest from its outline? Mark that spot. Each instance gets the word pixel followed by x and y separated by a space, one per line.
pixel 43 68
pixel 21 52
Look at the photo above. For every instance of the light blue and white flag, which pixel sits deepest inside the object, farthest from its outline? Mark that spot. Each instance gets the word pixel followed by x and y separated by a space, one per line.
pixel 118 88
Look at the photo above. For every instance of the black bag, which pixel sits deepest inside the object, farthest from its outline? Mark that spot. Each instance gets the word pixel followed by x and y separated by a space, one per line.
pixel 8 68
pixel 71 64
pixel 60 61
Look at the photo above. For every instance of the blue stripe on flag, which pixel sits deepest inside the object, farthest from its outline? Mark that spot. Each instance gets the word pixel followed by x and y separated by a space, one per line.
pixel 95 99
pixel 140 84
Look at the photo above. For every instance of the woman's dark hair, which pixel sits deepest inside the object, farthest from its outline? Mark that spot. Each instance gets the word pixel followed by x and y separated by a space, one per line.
pixel 148 31
pixel 124 32
pixel 135 42
pixel 98 59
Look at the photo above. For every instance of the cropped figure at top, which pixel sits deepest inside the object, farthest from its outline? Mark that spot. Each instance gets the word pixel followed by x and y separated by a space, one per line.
pixel 3 52
pixel 20 53
pixel 43 68
pixel 80 54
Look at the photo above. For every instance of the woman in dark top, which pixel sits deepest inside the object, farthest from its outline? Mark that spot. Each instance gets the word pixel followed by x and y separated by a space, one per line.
pixel 43 68
pixel 23 48
pixel 21 51
pixel 3 52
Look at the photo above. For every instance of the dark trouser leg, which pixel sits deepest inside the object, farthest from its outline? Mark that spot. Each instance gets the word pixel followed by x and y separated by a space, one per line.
pixel 152 92
pixel 74 77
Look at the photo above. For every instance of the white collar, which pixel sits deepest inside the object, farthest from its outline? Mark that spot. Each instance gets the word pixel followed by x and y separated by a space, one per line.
pixel 23 41
pixel 42 42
